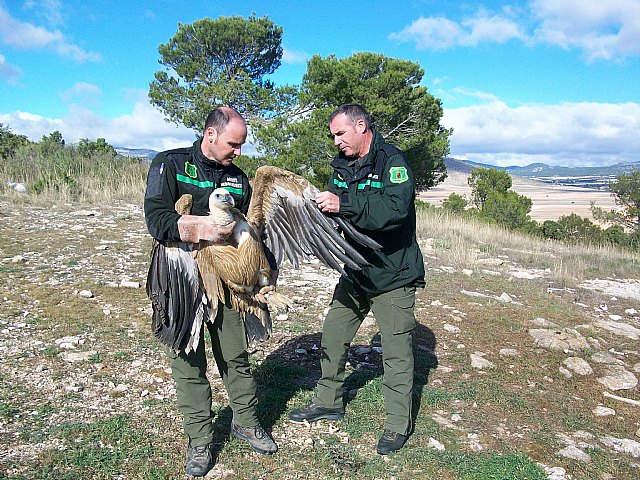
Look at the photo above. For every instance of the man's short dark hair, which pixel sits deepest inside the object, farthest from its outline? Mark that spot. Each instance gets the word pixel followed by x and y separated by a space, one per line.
pixel 354 112
pixel 219 118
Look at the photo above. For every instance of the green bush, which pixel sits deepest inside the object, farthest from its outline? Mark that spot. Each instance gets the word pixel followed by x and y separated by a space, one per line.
pixel 455 203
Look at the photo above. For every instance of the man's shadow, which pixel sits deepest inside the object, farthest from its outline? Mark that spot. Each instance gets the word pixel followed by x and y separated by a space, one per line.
pixel 295 367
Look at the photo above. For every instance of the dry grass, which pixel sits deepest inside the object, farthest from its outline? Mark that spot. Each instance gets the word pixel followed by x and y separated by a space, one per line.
pixel 461 242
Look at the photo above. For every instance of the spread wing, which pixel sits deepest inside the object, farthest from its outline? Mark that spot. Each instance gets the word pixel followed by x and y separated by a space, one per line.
pixel 282 206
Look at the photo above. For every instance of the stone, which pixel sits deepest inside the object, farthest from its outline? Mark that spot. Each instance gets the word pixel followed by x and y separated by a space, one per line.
pixel 509 352
pixel 544 323
pixel 17 186
pixel 604 357
pixel 69 342
pixel 75 357
pixel 558 340
pixel 505 297
pixel 622 445
pixel 578 365
pixel 555 473
pixel 619 328
pixel 435 444
pixel 565 373
pixel 618 378
pixel 601 411
pixel 574 453
pixel 480 363
pixel 451 328
pixel 490 261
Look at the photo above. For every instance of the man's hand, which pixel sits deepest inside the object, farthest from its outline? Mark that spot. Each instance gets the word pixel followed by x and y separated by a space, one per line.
pixel 194 228
pixel 327 202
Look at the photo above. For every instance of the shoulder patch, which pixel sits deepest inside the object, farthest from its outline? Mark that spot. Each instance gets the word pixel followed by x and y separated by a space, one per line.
pixel 191 170
pixel 398 174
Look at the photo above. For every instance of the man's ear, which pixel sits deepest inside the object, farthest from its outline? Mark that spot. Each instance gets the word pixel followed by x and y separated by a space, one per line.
pixel 361 126
pixel 211 135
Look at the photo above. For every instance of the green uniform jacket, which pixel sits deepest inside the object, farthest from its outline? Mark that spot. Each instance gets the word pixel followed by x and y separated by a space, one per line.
pixel 186 170
pixel 378 199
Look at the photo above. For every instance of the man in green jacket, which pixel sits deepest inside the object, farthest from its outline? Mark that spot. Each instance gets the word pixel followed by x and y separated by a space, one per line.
pixel 198 170
pixel 372 187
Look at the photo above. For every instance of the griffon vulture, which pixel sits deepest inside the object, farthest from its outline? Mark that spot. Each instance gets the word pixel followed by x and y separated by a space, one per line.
pixel 283 221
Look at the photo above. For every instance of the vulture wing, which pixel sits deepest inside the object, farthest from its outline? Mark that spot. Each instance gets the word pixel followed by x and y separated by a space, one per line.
pixel 179 304
pixel 283 207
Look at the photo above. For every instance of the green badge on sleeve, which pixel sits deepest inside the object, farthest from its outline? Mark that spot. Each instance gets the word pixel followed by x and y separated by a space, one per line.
pixel 398 174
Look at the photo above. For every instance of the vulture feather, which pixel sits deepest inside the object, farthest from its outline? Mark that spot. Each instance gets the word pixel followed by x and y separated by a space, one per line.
pixel 283 222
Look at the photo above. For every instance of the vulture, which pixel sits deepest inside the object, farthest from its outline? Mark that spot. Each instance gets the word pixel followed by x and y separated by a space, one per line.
pixel 185 281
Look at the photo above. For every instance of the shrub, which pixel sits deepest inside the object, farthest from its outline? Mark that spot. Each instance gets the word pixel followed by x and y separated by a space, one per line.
pixel 455 203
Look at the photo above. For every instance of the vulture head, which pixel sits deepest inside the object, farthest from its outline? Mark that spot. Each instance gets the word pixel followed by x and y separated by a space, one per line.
pixel 220 205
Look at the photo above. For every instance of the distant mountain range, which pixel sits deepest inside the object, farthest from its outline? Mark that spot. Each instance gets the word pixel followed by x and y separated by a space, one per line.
pixel 135 152
pixel 590 177
pixel 544 170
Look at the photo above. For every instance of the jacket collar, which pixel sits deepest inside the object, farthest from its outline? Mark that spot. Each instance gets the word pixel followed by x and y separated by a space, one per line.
pixel 197 148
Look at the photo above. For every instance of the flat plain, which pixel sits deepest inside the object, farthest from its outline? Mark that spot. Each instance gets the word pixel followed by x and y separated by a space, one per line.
pixel 550 202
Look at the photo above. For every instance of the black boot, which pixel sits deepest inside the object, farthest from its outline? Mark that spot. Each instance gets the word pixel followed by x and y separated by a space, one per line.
pixel 312 413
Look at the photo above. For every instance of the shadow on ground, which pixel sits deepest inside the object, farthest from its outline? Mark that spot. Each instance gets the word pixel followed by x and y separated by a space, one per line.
pixel 295 367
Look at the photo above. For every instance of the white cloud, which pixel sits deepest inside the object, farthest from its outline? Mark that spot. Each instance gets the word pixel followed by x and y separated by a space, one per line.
pixel 144 127
pixel 49 10
pixel 83 93
pixel 562 134
pixel 294 56
pixel 9 72
pixel 602 29
pixel 26 36
pixel 434 33
pixel 439 33
pixel 490 29
pixel 608 30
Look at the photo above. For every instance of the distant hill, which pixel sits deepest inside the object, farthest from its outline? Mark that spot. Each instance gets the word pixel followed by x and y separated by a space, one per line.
pixel 136 152
pixel 544 170
pixel 590 177
pixel 461 166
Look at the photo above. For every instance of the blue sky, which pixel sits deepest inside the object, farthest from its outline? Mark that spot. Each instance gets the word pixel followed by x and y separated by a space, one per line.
pixel 554 81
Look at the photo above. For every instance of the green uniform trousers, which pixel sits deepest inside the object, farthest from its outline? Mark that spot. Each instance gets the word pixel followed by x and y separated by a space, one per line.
pixel 394 315
pixel 229 343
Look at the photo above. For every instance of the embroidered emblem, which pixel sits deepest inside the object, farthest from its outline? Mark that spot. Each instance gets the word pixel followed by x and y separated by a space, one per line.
pixel 191 170
pixel 398 174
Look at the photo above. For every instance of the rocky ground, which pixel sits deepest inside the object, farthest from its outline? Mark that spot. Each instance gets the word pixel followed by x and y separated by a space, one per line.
pixel 75 344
